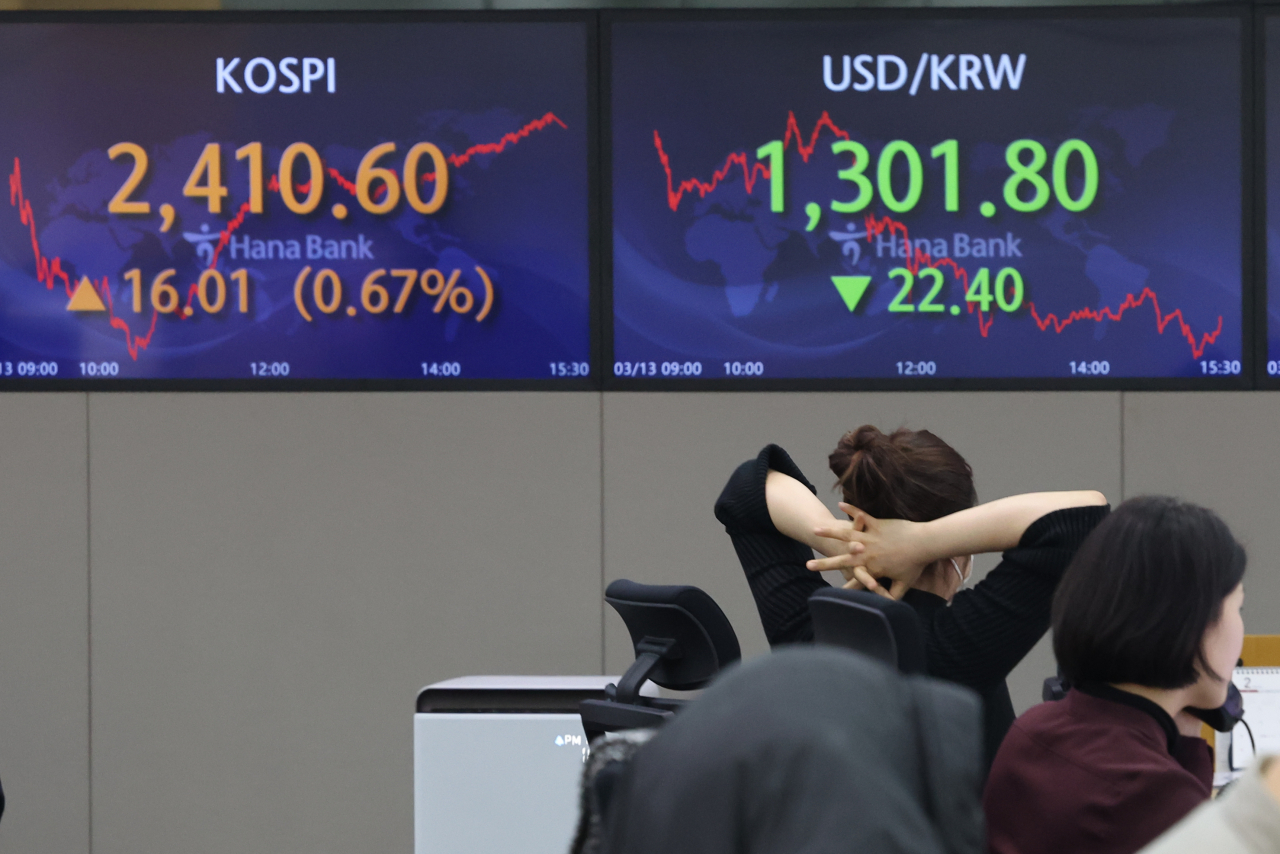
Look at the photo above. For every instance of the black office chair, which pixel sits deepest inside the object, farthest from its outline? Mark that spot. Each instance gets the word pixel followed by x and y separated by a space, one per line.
pixel 884 629
pixel 682 640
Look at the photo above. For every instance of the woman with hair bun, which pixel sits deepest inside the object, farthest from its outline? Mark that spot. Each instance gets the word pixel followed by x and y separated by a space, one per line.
pixel 973 637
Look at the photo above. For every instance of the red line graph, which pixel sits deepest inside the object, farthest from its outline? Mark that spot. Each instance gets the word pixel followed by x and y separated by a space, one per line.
pixel 47 271
pixel 1130 301
pixel 455 159
pixel 543 123
pixel 917 258
pixel 750 171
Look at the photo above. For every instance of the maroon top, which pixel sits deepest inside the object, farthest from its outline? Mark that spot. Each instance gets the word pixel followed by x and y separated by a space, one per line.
pixel 1103 772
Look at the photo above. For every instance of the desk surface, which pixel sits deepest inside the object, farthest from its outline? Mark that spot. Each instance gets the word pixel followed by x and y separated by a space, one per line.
pixel 1258 651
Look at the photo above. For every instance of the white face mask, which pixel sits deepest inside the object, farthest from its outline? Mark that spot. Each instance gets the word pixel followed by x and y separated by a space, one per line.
pixel 956 567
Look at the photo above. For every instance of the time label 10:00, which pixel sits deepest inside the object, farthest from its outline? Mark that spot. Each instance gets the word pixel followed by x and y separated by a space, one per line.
pixel 1025 190
pixel 377 188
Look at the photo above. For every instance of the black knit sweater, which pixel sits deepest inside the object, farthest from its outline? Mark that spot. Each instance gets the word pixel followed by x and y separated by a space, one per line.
pixel 976 641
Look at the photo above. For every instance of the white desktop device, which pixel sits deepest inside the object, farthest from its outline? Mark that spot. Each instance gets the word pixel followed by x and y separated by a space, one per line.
pixel 497 762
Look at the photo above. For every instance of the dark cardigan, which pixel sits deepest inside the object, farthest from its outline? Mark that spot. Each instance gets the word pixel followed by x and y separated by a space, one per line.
pixel 1103 772
pixel 975 642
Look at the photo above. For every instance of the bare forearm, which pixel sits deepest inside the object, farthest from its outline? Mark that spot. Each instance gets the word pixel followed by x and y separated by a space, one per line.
pixel 997 525
pixel 795 512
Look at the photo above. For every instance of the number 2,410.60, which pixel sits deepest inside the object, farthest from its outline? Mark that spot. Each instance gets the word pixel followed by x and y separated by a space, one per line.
pixel 377 188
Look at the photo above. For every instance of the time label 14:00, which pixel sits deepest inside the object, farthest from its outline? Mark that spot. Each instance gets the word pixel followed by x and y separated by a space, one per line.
pixel 1026 190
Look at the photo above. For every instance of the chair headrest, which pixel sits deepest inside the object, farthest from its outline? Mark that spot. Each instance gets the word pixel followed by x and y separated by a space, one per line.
pixel 873 625
pixel 705 640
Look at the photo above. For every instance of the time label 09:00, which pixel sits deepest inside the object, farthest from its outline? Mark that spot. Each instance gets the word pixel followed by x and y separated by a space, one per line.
pixel 684 369
pixel 30 369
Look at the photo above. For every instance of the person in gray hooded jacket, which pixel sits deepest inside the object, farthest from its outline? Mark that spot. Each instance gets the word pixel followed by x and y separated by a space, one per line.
pixel 810 750
pixel 1245 819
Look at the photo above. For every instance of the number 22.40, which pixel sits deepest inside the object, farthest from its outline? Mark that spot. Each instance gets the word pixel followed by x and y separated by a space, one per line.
pixel 1008 291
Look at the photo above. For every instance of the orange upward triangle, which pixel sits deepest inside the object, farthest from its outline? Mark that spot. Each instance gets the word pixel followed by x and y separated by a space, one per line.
pixel 86 298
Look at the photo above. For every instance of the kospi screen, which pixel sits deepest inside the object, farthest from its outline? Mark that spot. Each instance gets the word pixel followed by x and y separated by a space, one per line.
pixel 982 197
pixel 310 200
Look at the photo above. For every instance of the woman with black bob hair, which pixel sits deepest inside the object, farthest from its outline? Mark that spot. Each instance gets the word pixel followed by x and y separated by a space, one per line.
pixel 1146 625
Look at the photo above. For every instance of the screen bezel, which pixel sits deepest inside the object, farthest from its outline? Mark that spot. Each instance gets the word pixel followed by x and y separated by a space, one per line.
pixel 1248 270
pixel 590 25
pixel 1259 189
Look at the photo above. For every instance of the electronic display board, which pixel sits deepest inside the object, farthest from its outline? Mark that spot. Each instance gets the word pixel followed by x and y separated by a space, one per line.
pixel 897 198
pixel 310 199
pixel 1271 130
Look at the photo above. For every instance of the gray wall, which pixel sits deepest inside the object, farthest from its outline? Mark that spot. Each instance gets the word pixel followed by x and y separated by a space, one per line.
pixel 216 609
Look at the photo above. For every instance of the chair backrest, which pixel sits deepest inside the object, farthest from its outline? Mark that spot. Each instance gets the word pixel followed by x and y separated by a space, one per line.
pixel 884 629
pixel 698 637
pixel 682 640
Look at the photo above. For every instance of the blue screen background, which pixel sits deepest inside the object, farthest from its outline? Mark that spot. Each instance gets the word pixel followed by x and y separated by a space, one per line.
pixel 69 92
pixel 722 278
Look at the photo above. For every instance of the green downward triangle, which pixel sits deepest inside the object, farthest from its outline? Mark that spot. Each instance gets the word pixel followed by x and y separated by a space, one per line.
pixel 851 289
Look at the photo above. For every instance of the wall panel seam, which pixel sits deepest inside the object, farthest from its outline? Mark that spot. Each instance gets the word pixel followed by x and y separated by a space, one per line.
pixel 88 556
pixel 603 663
pixel 1122 414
